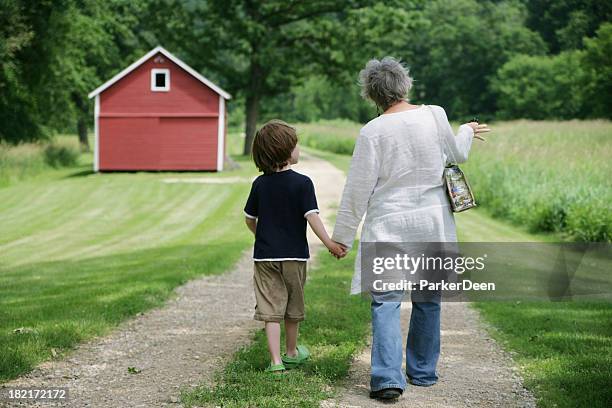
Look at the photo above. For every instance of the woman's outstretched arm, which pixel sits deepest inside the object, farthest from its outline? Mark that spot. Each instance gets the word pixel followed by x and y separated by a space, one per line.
pixel 360 183
pixel 456 147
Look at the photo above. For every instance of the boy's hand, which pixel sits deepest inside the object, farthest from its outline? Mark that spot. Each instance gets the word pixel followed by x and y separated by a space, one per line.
pixel 337 249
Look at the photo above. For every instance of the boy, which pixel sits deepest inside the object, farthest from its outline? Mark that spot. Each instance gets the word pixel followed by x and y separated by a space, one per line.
pixel 280 203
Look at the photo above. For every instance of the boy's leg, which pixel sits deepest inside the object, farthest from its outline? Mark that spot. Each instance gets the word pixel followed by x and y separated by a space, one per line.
pixel 294 276
pixel 271 297
pixel 291 334
pixel 273 335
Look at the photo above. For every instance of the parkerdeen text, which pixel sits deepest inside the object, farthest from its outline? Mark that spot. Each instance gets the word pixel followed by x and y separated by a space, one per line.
pixel 381 286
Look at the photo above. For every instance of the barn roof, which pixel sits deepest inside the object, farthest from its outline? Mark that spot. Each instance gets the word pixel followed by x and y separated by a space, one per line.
pixel 172 58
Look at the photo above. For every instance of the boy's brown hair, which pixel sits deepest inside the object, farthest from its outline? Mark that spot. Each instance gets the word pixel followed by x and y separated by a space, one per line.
pixel 273 145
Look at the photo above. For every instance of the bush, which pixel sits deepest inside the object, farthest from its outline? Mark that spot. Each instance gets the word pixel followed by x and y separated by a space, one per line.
pixel 572 84
pixel 541 87
pixel 61 154
pixel 18 162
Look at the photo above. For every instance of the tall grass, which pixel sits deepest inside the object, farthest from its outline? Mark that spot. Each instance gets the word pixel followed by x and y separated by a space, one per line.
pixel 546 175
pixel 22 161
pixel 335 136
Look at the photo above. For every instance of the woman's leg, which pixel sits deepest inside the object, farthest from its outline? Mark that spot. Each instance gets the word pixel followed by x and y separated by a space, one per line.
pixel 423 345
pixel 387 346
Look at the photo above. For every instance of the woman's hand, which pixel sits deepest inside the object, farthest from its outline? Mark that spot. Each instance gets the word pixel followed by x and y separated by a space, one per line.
pixel 477 128
pixel 336 249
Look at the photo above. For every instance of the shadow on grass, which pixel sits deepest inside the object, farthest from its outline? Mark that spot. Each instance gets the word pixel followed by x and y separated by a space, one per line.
pixel 80 173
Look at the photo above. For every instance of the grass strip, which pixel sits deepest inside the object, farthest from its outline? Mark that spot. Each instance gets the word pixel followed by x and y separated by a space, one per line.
pixel 563 349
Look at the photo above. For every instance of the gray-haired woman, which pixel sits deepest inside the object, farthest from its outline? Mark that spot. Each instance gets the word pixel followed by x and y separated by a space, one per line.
pixel 395 178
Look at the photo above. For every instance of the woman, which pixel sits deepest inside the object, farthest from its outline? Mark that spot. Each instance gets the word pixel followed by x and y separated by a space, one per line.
pixel 396 178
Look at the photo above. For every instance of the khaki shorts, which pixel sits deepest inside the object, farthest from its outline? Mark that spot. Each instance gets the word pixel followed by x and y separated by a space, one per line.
pixel 279 290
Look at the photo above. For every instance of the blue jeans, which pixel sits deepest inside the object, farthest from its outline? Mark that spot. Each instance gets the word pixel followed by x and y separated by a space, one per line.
pixel 422 346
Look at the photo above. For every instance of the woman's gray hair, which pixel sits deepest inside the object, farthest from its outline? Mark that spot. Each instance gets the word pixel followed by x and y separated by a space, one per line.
pixel 385 82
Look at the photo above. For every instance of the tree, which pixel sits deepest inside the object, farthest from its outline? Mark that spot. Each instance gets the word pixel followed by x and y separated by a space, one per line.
pixel 260 49
pixel 597 62
pixel 563 23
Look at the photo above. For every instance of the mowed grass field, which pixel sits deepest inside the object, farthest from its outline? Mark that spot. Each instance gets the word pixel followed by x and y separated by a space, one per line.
pixel 80 252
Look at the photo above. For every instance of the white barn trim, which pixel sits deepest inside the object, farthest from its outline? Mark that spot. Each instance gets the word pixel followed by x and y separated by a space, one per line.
pixel 97 134
pixel 221 135
pixel 172 58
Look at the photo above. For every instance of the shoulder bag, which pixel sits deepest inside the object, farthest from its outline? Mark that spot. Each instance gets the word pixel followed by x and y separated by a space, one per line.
pixel 457 187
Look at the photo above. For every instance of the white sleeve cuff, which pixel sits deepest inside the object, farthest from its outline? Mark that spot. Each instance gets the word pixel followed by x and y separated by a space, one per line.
pixel 246 214
pixel 468 128
pixel 344 235
pixel 315 210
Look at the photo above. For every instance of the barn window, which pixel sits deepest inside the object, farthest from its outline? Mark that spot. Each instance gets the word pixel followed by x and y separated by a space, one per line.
pixel 160 80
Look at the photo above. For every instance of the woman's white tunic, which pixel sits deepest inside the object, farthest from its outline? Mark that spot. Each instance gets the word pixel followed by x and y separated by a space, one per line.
pixel 395 178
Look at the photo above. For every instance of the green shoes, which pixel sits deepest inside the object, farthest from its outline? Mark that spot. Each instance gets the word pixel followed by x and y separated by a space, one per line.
pixel 289 362
pixel 275 368
pixel 302 355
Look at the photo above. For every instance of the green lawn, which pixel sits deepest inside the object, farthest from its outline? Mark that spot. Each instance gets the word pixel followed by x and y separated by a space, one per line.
pixel 80 252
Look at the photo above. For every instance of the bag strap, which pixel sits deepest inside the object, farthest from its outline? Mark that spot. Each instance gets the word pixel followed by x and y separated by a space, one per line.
pixel 442 141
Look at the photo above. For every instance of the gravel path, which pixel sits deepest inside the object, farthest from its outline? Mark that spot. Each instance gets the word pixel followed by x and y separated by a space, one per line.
pixel 179 345
pixel 473 370
pixel 186 341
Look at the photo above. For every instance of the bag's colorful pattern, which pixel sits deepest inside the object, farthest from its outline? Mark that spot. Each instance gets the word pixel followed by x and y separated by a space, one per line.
pixel 459 190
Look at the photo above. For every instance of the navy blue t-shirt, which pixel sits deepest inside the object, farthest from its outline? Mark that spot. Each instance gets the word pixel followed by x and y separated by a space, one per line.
pixel 280 201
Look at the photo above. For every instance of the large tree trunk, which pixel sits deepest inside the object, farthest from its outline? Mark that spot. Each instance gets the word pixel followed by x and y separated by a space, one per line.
pixel 82 131
pixel 83 112
pixel 253 97
pixel 252 113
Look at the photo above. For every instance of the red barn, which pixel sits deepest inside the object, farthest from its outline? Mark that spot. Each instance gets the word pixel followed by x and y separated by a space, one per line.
pixel 159 114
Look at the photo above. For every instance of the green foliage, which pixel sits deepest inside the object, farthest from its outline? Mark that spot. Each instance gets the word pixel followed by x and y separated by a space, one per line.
pixel 61 154
pixel 540 87
pixel 54 53
pixel 563 23
pixel 319 98
pixel 335 136
pixel 459 50
pixel 299 61
pixel 597 63
pixel 547 176
pixel 572 84
pixel 26 160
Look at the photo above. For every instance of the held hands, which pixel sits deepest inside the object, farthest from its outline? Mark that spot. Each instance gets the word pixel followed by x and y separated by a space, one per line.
pixel 336 249
pixel 478 128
